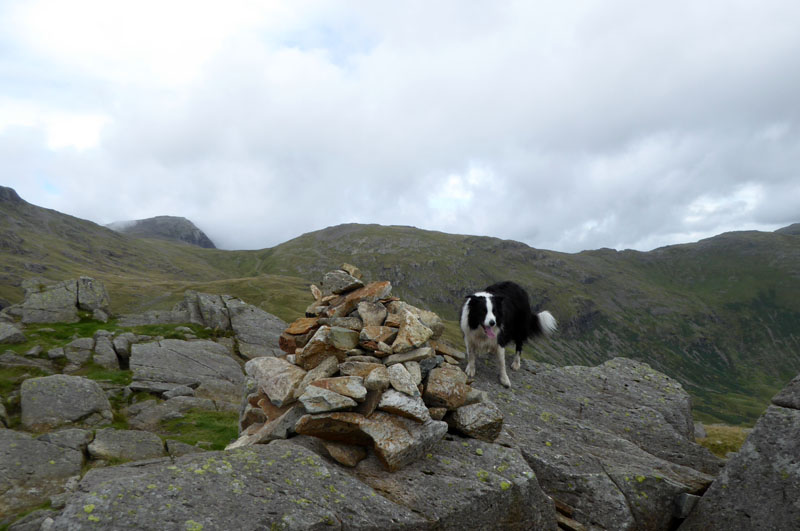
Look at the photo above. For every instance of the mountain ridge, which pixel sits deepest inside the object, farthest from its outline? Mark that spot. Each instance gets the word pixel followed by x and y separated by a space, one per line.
pixel 720 315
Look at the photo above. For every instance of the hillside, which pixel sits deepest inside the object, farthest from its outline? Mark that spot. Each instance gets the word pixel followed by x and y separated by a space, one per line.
pixel 719 315
pixel 140 274
pixel 170 228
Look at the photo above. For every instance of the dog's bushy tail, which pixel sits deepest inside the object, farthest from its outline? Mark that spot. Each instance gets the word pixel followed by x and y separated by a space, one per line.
pixel 542 323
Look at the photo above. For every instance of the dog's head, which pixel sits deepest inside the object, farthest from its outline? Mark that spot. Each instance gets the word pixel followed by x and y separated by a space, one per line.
pixel 485 311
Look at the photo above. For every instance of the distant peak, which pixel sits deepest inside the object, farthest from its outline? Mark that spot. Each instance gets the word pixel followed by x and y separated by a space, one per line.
pixel 172 228
pixel 9 195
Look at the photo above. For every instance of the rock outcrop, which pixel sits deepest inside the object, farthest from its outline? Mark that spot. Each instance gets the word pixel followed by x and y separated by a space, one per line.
pixel 206 366
pixel 59 302
pixel 613 445
pixel 256 331
pixel 759 488
pixel 286 485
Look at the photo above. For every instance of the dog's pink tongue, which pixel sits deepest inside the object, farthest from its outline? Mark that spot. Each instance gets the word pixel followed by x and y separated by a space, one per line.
pixel 489 331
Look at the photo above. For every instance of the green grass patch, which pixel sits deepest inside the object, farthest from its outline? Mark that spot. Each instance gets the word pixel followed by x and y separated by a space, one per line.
pixel 12 377
pixel 19 516
pixel 721 439
pixel 168 331
pixel 63 333
pixel 216 427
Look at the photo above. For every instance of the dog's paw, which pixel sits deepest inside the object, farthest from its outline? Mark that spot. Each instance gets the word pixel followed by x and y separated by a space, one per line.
pixel 515 366
pixel 470 370
pixel 505 381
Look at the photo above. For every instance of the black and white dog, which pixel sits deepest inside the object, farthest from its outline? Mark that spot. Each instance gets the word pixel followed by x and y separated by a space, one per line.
pixel 496 316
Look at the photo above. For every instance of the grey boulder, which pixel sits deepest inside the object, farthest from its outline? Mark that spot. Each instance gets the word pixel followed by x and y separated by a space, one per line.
pixel 256 330
pixel 50 303
pixel 104 353
pixel 52 401
pixel 92 295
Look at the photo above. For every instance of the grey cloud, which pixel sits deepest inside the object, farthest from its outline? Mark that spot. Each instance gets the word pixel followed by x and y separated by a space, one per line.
pixel 604 127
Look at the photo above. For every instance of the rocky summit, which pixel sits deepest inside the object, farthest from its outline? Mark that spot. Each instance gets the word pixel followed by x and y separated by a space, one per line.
pixel 164 228
pixel 356 415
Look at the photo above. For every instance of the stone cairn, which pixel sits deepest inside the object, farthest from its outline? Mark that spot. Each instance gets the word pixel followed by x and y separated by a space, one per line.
pixel 364 370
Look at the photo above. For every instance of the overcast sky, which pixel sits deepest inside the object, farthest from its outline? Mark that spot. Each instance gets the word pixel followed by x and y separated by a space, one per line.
pixel 564 125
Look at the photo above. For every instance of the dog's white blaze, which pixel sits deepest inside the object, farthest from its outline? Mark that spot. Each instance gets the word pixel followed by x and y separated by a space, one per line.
pixel 489 308
pixel 548 322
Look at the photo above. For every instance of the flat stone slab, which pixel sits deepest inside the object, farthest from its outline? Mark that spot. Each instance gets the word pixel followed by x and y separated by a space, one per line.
pixel 56 400
pixel 278 378
pixel 335 282
pixel 350 386
pixel 202 363
pixel 128 445
pixel 320 400
pixel 406 406
pixel 397 441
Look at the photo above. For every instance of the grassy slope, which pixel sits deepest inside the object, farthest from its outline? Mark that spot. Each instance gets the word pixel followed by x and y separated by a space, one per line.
pixel 140 274
pixel 720 315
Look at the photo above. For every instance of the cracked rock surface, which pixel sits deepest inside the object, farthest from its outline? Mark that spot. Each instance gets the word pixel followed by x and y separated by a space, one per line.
pixel 205 365
pixel 285 485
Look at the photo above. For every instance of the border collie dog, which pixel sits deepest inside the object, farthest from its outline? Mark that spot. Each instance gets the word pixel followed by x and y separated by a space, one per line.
pixel 497 316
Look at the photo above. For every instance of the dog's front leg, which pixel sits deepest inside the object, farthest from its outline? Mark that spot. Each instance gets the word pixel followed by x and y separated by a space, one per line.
pixel 471 355
pixel 516 364
pixel 501 363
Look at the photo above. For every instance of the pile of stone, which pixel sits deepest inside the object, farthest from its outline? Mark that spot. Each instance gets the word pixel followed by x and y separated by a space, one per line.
pixel 364 370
